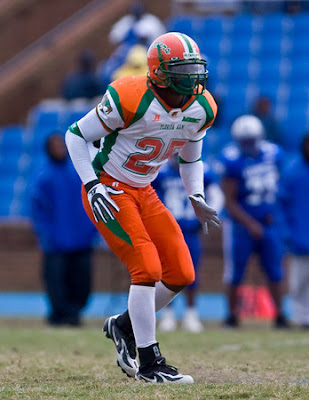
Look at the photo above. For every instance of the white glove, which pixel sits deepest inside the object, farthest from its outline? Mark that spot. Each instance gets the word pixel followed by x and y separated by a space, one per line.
pixel 101 203
pixel 204 213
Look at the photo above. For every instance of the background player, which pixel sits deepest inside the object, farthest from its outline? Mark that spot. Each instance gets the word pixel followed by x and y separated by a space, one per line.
pixel 251 170
pixel 295 200
pixel 170 189
pixel 144 122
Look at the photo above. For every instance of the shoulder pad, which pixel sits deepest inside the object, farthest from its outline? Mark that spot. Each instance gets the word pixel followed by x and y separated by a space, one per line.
pixel 127 93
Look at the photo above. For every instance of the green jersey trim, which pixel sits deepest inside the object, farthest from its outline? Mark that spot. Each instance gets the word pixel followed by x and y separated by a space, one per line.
pixel 182 161
pixel 143 106
pixel 116 99
pixel 157 97
pixel 194 141
pixel 209 113
pixel 183 108
pixel 103 156
pixel 75 129
pixel 102 122
pixel 114 226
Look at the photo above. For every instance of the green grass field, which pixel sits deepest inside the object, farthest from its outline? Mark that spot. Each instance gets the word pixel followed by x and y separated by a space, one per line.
pixel 37 362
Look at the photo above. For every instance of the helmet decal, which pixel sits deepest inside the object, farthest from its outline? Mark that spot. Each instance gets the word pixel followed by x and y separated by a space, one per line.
pixel 160 45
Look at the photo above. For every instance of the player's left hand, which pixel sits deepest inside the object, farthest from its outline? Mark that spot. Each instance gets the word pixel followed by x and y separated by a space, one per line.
pixel 204 213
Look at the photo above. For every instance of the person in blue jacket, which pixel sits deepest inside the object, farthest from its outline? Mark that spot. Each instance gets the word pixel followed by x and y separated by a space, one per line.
pixel 66 236
pixel 295 200
pixel 170 190
pixel 251 170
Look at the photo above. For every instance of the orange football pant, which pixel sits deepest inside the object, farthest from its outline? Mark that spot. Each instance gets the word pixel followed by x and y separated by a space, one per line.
pixel 158 250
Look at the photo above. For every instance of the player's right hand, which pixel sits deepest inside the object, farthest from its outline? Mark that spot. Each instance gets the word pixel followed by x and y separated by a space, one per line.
pixel 102 205
pixel 204 213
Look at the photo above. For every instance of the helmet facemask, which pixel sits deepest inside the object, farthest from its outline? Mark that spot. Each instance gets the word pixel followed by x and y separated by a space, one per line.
pixel 184 76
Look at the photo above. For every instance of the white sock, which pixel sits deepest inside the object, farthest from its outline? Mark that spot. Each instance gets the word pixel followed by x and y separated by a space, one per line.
pixel 163 295
pixel 141 307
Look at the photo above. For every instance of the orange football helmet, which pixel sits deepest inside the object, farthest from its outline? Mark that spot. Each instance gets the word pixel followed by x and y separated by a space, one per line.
pixel 174 60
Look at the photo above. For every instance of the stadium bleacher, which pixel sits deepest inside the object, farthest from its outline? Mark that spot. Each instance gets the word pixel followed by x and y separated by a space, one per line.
pixel 248 56
pixel 252 55
pixel 22 150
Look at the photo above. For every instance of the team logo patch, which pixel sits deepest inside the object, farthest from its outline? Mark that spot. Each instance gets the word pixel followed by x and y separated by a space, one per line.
pixel 176 114
pixel 105 105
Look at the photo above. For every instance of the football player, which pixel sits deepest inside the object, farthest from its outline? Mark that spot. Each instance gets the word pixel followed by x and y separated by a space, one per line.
pixel 145 120
pixel 251 170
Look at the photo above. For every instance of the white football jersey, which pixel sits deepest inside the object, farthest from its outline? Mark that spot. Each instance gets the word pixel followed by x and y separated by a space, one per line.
pixel 140 131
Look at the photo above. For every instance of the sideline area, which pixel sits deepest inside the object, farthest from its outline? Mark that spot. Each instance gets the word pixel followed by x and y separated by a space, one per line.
pixel 211 306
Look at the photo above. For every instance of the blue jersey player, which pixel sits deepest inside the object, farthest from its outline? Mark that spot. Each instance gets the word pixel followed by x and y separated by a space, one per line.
pixel 170 190
pixel 250 178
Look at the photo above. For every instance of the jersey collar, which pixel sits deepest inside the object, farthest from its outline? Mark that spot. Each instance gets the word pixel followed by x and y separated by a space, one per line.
pixel 166 107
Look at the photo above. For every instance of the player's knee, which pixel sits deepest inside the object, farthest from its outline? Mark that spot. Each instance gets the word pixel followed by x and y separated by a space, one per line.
pixel 187 277
pixel 146 265
pixel 147 276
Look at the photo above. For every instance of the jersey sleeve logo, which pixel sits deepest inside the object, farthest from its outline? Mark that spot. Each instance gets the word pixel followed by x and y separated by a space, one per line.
pixel 105 105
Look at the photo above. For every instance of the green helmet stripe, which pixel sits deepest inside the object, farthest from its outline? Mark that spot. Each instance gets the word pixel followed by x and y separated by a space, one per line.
pixel 186 39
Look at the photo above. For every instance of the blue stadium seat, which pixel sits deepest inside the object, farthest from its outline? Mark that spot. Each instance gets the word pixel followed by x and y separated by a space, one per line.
pixel 4 208
pixel 301 25
pixel 234 103
pixel 240 47
pixel 242 26
pixel 268 72
pixel 210 49
pixel 299 48
pixel 299 94
pixel 211 27
pixel 239 70
pixel 11 138
pixel 300 74
pixel 294 127
pixel 270 46
pixel 9 163
pixel 272 24
pixel 6 194
pixel 180 24
pixel 45 119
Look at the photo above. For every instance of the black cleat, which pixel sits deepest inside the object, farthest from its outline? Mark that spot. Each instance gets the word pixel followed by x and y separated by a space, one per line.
pixel 160 372
pixel 281 322
pixel 125 346
pixel 231 322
